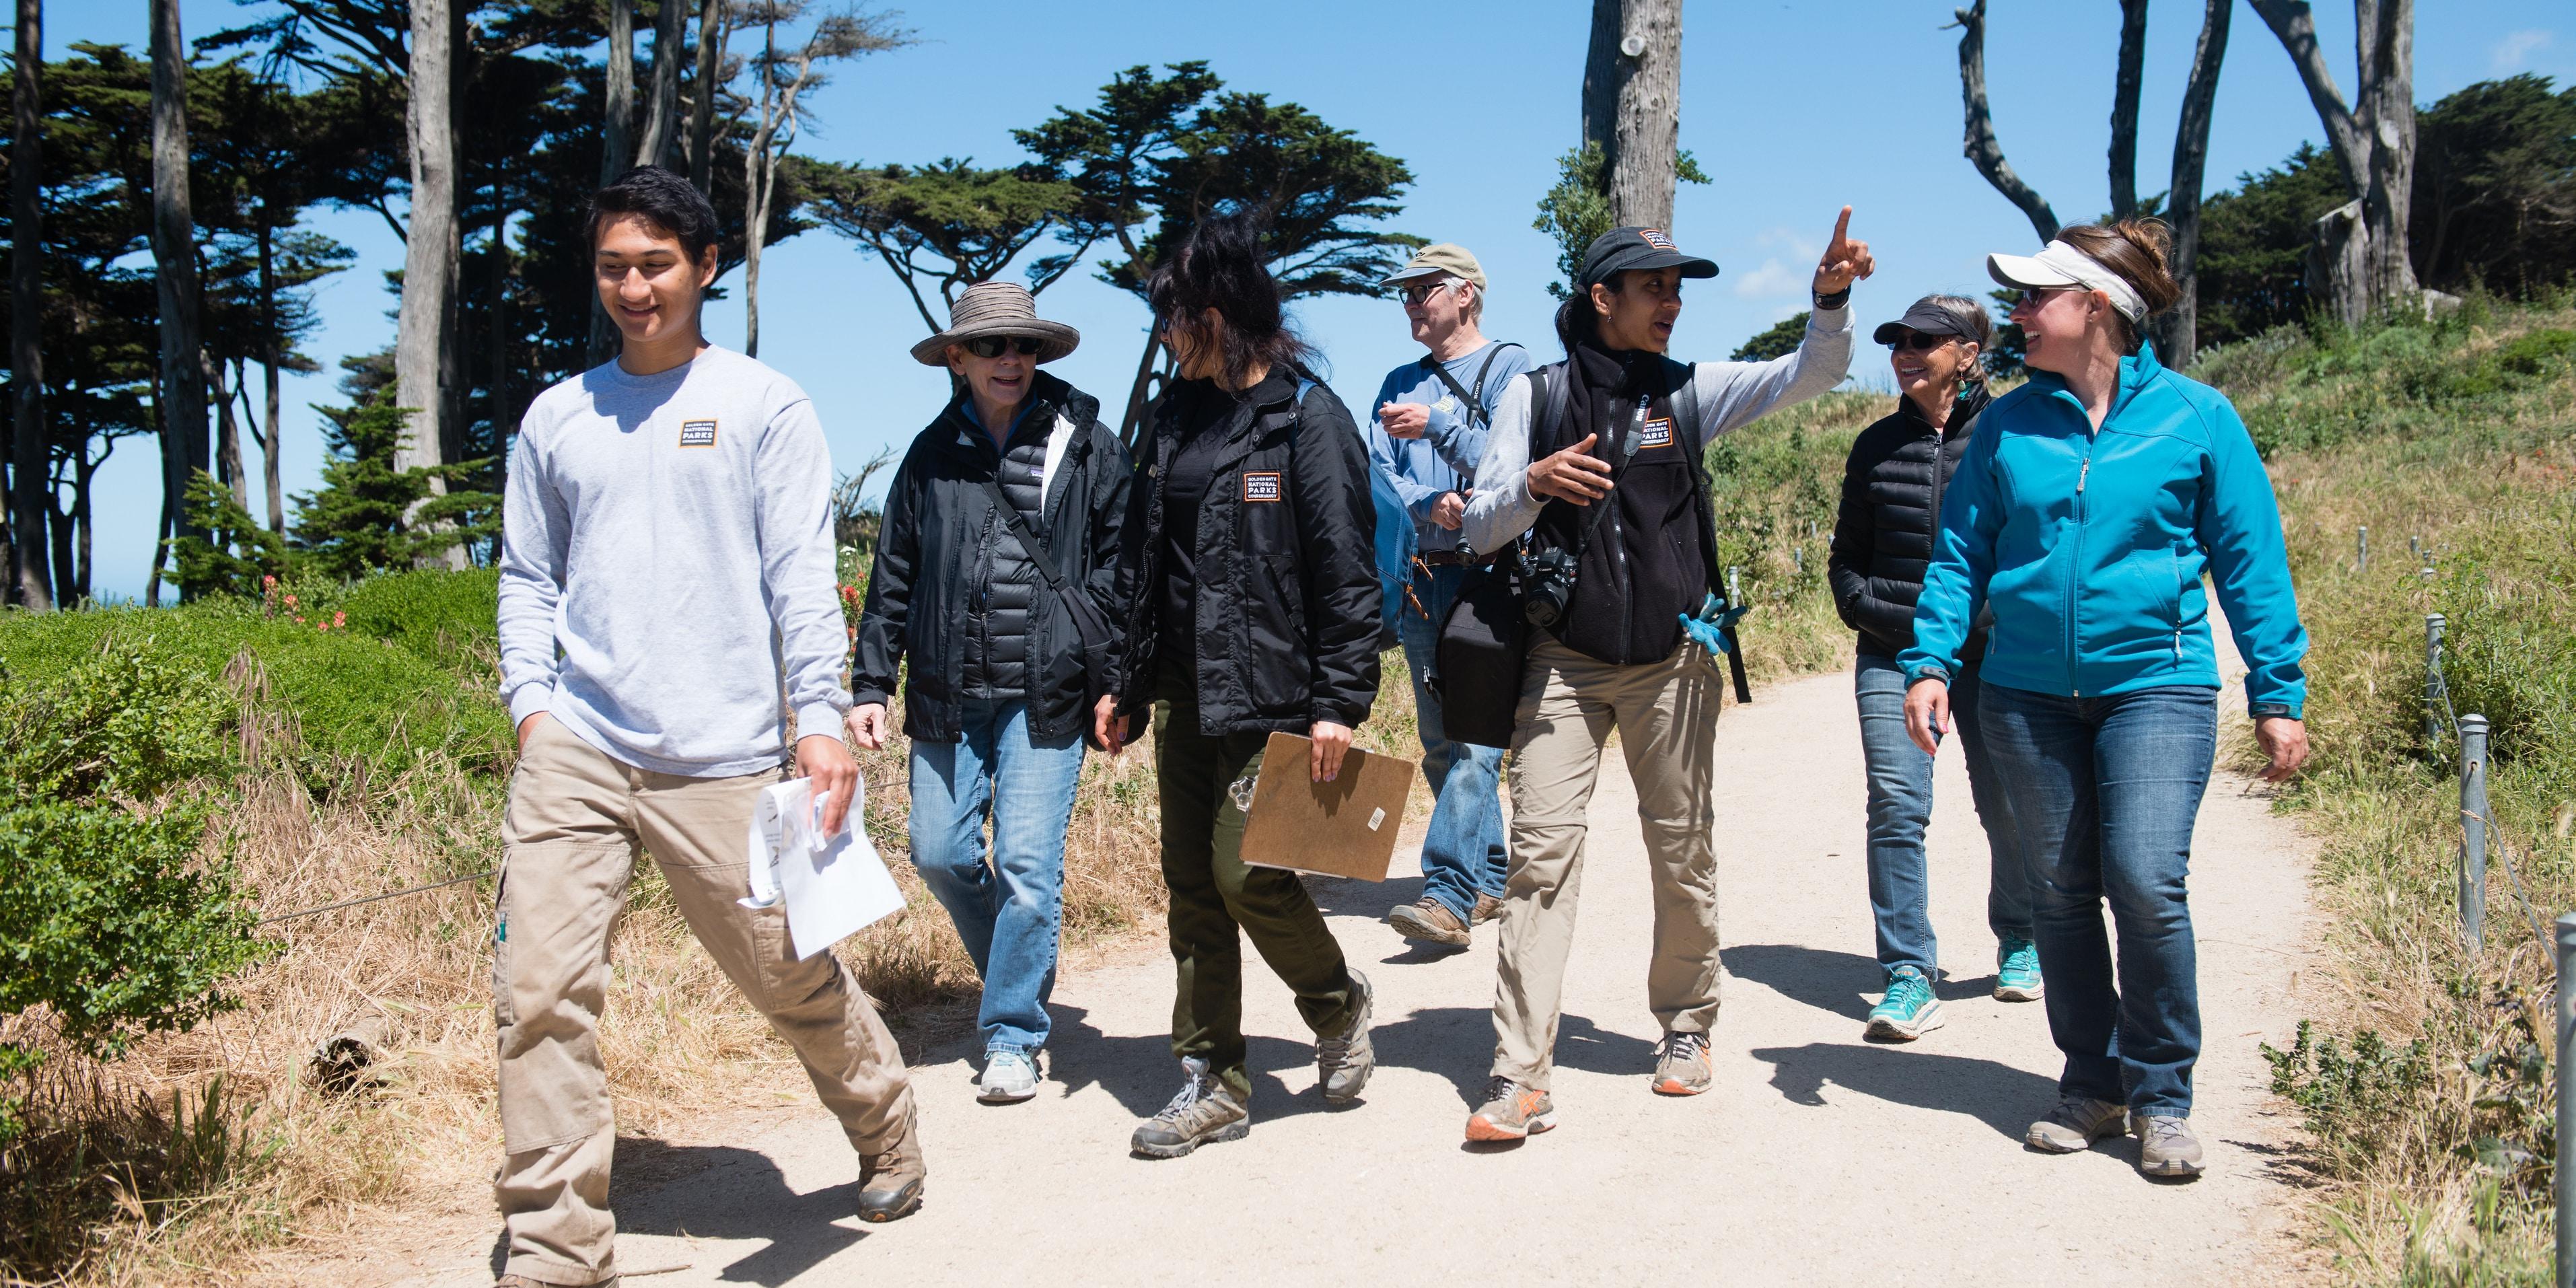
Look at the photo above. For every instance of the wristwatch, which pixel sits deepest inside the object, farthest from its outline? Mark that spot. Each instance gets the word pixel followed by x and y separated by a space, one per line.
pixel 1835 300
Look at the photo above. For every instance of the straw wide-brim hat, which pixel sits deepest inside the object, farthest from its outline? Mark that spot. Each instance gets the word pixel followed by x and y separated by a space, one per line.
pixel 997 308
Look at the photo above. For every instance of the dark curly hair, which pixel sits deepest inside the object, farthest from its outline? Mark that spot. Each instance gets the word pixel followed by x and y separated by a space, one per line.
pixel 1219 265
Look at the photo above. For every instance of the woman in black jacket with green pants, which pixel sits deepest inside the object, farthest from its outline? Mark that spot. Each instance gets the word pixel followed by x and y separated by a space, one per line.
pixel 1252 600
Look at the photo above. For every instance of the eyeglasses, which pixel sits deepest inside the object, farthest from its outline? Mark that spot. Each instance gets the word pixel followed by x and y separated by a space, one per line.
pixel 1918 342
pixel 1421 293
pixel 991 346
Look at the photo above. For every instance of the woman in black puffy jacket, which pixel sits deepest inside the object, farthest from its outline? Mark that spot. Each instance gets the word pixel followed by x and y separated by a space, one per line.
pixel 1891 509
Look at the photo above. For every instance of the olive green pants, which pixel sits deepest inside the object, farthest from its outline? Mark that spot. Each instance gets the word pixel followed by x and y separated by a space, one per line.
pixel 1214 893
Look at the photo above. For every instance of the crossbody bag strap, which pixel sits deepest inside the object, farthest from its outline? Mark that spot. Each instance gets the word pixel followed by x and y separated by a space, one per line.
pixel 1027 537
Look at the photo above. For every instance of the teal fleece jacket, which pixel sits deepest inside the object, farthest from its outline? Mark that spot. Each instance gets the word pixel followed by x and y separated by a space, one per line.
pixel 2091 546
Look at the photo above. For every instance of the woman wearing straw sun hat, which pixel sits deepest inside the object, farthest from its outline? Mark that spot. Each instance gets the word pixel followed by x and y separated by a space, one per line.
pixel 1000 542
pixel 2089 505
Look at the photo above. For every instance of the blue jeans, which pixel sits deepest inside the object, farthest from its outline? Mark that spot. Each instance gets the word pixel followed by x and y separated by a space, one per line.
pixel 1463 854
pixel 1009 913
pixel 1900 807
pixel 2105 791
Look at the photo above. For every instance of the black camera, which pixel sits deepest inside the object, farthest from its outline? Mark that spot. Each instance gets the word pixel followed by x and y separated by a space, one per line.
pixel 1547 586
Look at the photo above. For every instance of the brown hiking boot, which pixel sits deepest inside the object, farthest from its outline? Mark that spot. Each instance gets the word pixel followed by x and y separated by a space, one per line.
pixel 1511 1112
pixel 522 1281
pixel 1430 921
pixel 1488 908
pixel 891 1179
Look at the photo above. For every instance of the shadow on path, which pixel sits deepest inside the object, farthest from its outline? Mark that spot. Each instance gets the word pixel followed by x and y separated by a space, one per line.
pixel 729 1193
pixel 1829 980
pixel 1998 1095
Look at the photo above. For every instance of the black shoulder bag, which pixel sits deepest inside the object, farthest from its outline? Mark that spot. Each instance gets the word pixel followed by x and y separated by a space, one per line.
pixel 1091 626
pixel 1484 641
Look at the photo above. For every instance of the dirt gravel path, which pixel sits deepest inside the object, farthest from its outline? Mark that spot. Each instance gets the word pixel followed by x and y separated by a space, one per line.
pixel 1819 1158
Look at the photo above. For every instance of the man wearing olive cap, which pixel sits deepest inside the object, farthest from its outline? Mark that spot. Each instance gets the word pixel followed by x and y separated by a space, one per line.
pixel 1598 459
pixel 1427 434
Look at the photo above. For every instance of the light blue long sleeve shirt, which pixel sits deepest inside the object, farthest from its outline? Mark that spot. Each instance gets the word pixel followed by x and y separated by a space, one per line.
pixel 1444 459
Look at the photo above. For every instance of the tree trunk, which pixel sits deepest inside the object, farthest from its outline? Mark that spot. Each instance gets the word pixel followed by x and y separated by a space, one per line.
pixel 81 494
pixel 756 170
pixel 617 149
pixel 1982 148
pixel 64 528
pixel 2124 108
pixel 702 110
pixel 271 355
pixel 29 442
pixel 2387 118
pixel 184 449
pixel 496 310
pixel 429 250
pixel 1632 90
pixel 2296 27
pixel 1132 425
pixel 2178 333
pixel 662 114
pixel 228 453
pixel 615 152
pixel 2338 261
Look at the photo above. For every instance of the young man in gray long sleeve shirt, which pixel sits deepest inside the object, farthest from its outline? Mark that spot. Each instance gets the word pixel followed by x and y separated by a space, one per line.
pixel 666 573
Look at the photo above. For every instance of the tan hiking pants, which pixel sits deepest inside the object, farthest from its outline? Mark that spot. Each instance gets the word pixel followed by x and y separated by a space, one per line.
pixel 1666 715
pixel 575 819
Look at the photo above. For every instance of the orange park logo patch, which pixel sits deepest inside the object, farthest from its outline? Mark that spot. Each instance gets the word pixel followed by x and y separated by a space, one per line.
pixel 697 433
pixel 1655 237
pixel 1261 485
pixel 1658 433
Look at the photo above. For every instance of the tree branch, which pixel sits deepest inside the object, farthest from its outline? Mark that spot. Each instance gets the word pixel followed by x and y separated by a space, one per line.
pixel 1981 147
pixel 2292 21
pixel 2124 108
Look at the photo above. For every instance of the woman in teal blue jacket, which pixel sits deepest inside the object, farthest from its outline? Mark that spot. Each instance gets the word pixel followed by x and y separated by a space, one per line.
pixel 2087 510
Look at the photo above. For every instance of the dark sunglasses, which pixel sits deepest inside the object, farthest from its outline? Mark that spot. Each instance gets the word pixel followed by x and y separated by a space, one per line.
pixel 991 346
pixel 1918 342
pixel 1421 293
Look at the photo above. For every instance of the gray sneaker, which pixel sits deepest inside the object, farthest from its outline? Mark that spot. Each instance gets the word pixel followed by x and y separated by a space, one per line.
pixel 1204 1113
pixel 1010 1076
pixel 1344 1061
pixel 2167 1149
pixel 2073 1126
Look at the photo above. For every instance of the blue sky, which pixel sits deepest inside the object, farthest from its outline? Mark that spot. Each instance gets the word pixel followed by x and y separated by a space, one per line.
pixel 1794 110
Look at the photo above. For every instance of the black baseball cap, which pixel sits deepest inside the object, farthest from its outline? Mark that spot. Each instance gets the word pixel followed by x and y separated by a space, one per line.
pixel 1622 249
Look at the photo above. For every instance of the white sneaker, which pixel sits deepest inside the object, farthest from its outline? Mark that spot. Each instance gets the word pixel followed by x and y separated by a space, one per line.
pixel 1010 1077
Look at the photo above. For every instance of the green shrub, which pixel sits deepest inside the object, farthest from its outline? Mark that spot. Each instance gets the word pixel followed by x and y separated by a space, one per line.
pixel 107 920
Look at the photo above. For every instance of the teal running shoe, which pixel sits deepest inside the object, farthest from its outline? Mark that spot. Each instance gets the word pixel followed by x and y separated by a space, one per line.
pixel 1909 1010
pixel 2017 971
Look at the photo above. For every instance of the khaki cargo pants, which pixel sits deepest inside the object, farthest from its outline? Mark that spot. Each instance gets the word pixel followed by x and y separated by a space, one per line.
pixel 575 819
pixel 1666 715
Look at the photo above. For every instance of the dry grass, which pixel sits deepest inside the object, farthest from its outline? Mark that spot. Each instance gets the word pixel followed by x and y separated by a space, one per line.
pixel 2484 481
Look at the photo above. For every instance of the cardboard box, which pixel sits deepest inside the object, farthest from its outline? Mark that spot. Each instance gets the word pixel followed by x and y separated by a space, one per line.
pixel 1344 828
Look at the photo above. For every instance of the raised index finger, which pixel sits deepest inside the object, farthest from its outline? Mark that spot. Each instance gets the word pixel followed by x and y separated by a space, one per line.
pixel 1842 226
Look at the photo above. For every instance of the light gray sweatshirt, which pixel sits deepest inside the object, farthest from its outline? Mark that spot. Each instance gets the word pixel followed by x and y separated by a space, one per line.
pixel 667 566
pixel 1732 395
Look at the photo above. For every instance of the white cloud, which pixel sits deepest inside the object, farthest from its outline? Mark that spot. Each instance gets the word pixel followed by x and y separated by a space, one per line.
pixel 1772 279
pixel 1800 245
pixel 1784 312
pixel 2514 52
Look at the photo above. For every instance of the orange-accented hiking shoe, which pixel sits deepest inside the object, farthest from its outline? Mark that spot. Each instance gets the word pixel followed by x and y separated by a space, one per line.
pixel 1511 1112
pixel 1681 1065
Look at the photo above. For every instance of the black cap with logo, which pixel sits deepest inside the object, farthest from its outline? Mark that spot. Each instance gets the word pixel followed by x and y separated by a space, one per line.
pixel 1622 249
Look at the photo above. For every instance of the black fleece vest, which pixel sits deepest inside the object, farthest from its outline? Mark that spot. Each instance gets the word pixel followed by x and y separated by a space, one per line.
pixel 1649 559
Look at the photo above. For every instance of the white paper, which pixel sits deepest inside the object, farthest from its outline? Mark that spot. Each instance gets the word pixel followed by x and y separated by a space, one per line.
pixel 832 885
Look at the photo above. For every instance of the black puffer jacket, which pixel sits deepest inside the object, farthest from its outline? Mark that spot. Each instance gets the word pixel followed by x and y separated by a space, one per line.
pixel 1288 600
pixel 1005 582
pixel 1891 507
pixel 941 543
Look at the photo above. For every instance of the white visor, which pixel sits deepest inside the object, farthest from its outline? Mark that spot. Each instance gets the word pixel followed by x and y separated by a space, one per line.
pixel 2059 264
